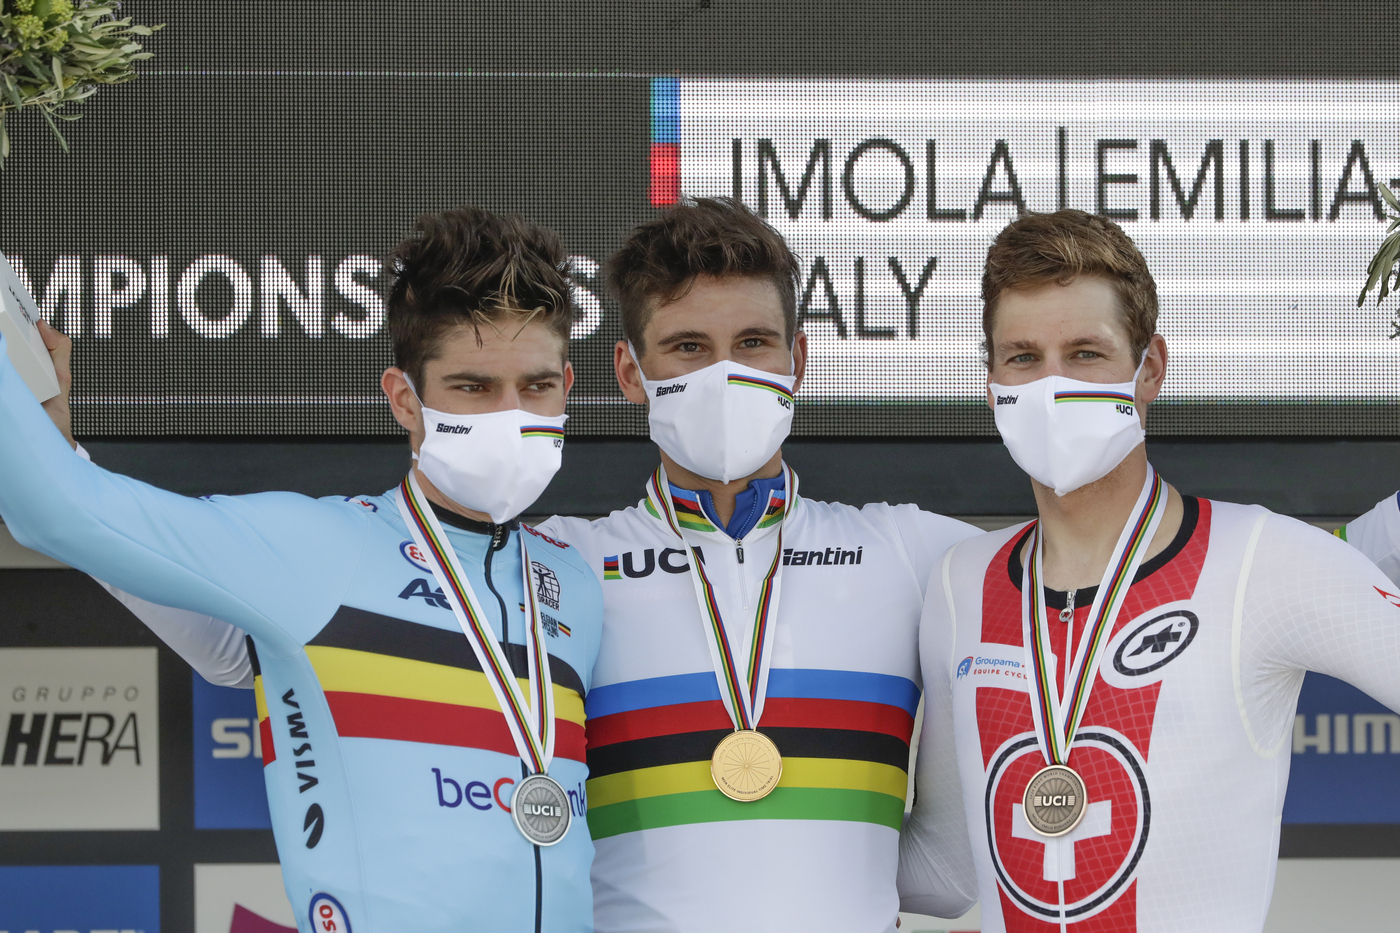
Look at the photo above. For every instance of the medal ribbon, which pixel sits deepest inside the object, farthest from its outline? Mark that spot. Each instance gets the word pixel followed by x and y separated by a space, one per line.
pixel 745 689
pixel 1057 720
pixel 531 724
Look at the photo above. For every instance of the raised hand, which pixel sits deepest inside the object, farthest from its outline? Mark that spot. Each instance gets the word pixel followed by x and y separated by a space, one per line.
pixel 61 351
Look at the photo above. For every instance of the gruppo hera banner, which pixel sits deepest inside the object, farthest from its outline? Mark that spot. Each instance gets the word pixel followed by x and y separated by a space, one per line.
pixel 1256 203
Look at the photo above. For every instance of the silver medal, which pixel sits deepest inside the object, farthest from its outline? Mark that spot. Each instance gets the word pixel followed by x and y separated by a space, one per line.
pixel 541 809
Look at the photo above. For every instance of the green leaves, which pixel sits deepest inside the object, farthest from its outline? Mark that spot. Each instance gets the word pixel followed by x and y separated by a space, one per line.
pixel 53 54
pixel 1384 262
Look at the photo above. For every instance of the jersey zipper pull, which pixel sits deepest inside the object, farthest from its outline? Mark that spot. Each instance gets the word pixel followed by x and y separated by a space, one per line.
pixel 1067 613
pixel 739 552
pixel 498 537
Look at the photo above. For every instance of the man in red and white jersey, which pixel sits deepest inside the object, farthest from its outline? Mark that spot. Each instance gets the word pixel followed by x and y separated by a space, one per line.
pixel 1118 679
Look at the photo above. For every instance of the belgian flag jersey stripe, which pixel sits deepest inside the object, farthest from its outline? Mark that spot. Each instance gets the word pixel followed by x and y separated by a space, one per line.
pixel 386 678
pixel 377 737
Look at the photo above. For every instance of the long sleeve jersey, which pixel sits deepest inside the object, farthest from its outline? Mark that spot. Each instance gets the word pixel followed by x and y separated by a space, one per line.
pixel 1183 746
pixel 820 852
pixel 388 763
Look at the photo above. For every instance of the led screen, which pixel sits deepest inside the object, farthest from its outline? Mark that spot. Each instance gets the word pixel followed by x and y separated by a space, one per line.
pixel 216 240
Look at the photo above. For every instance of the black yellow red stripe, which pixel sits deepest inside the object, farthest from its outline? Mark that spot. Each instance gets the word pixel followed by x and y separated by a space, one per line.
pixel 388 678
pixel 442 555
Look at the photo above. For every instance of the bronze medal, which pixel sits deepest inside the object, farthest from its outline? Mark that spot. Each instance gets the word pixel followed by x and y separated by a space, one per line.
pixel 1055 801
pixel 746 765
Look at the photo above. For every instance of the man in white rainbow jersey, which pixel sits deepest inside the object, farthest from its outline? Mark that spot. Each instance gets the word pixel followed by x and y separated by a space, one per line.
pixel 802 627
pixel 1118 679
pixel 748 725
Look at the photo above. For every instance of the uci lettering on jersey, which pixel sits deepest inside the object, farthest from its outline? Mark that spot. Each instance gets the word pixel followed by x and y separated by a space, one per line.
pixel 841 697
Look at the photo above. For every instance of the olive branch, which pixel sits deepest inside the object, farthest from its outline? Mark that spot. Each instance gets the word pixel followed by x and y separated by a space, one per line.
pixel 1381 271
pixel 55 52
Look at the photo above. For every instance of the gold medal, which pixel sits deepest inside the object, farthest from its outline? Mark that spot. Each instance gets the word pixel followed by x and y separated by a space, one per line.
pixel 746 765
pixel 1055 801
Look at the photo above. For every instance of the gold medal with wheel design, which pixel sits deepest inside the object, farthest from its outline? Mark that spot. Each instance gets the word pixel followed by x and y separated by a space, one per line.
pixel 746 765
pixel 1055 801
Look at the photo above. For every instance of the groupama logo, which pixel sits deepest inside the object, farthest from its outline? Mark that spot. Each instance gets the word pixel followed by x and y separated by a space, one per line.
pixel 964 666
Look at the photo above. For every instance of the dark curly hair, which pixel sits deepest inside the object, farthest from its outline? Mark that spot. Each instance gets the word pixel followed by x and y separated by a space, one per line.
pixel 718 237
pixel 471 266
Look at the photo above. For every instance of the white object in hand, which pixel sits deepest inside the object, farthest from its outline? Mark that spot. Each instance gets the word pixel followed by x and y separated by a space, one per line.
pixel 19 323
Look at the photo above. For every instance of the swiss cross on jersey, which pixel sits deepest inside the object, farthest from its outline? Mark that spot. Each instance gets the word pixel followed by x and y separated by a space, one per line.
pixel 1090 873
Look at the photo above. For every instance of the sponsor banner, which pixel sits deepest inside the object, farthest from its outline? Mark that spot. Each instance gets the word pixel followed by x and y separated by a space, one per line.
pixel 241 899
pixel 79 739
pixel 1254 202
pixel 1346 757
pixel 229 792
pixel 79 899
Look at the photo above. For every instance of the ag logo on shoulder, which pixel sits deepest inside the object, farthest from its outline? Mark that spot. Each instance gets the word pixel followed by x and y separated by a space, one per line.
pixel 327 915
pixel 1152 644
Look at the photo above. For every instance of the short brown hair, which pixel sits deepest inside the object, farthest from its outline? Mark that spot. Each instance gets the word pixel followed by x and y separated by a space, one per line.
pixel 1039 249
pixel 718 237
pixel 470 266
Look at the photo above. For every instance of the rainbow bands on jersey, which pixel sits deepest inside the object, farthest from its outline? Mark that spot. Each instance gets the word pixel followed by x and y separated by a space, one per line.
pixel 752 382
pixel 1057 720
pixel 1121 398
pixel 742 687
pixel 531 724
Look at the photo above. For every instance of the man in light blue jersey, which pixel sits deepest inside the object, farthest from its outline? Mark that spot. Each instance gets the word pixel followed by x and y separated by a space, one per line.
pixel 420 657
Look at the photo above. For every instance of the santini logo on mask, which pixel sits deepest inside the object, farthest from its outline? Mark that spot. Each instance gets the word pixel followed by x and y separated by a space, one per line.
pixel 496 462
pixel 722 422
pixel 1066 433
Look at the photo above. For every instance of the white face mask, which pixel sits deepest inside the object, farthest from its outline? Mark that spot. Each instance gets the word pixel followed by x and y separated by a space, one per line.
pixel 722 422
pixel 497 462
pixel 1066 433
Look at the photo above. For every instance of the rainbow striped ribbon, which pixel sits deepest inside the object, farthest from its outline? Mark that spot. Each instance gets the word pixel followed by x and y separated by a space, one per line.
pixel 768 385
pixel 743 690
pixel 1056 720
pixel 531 724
